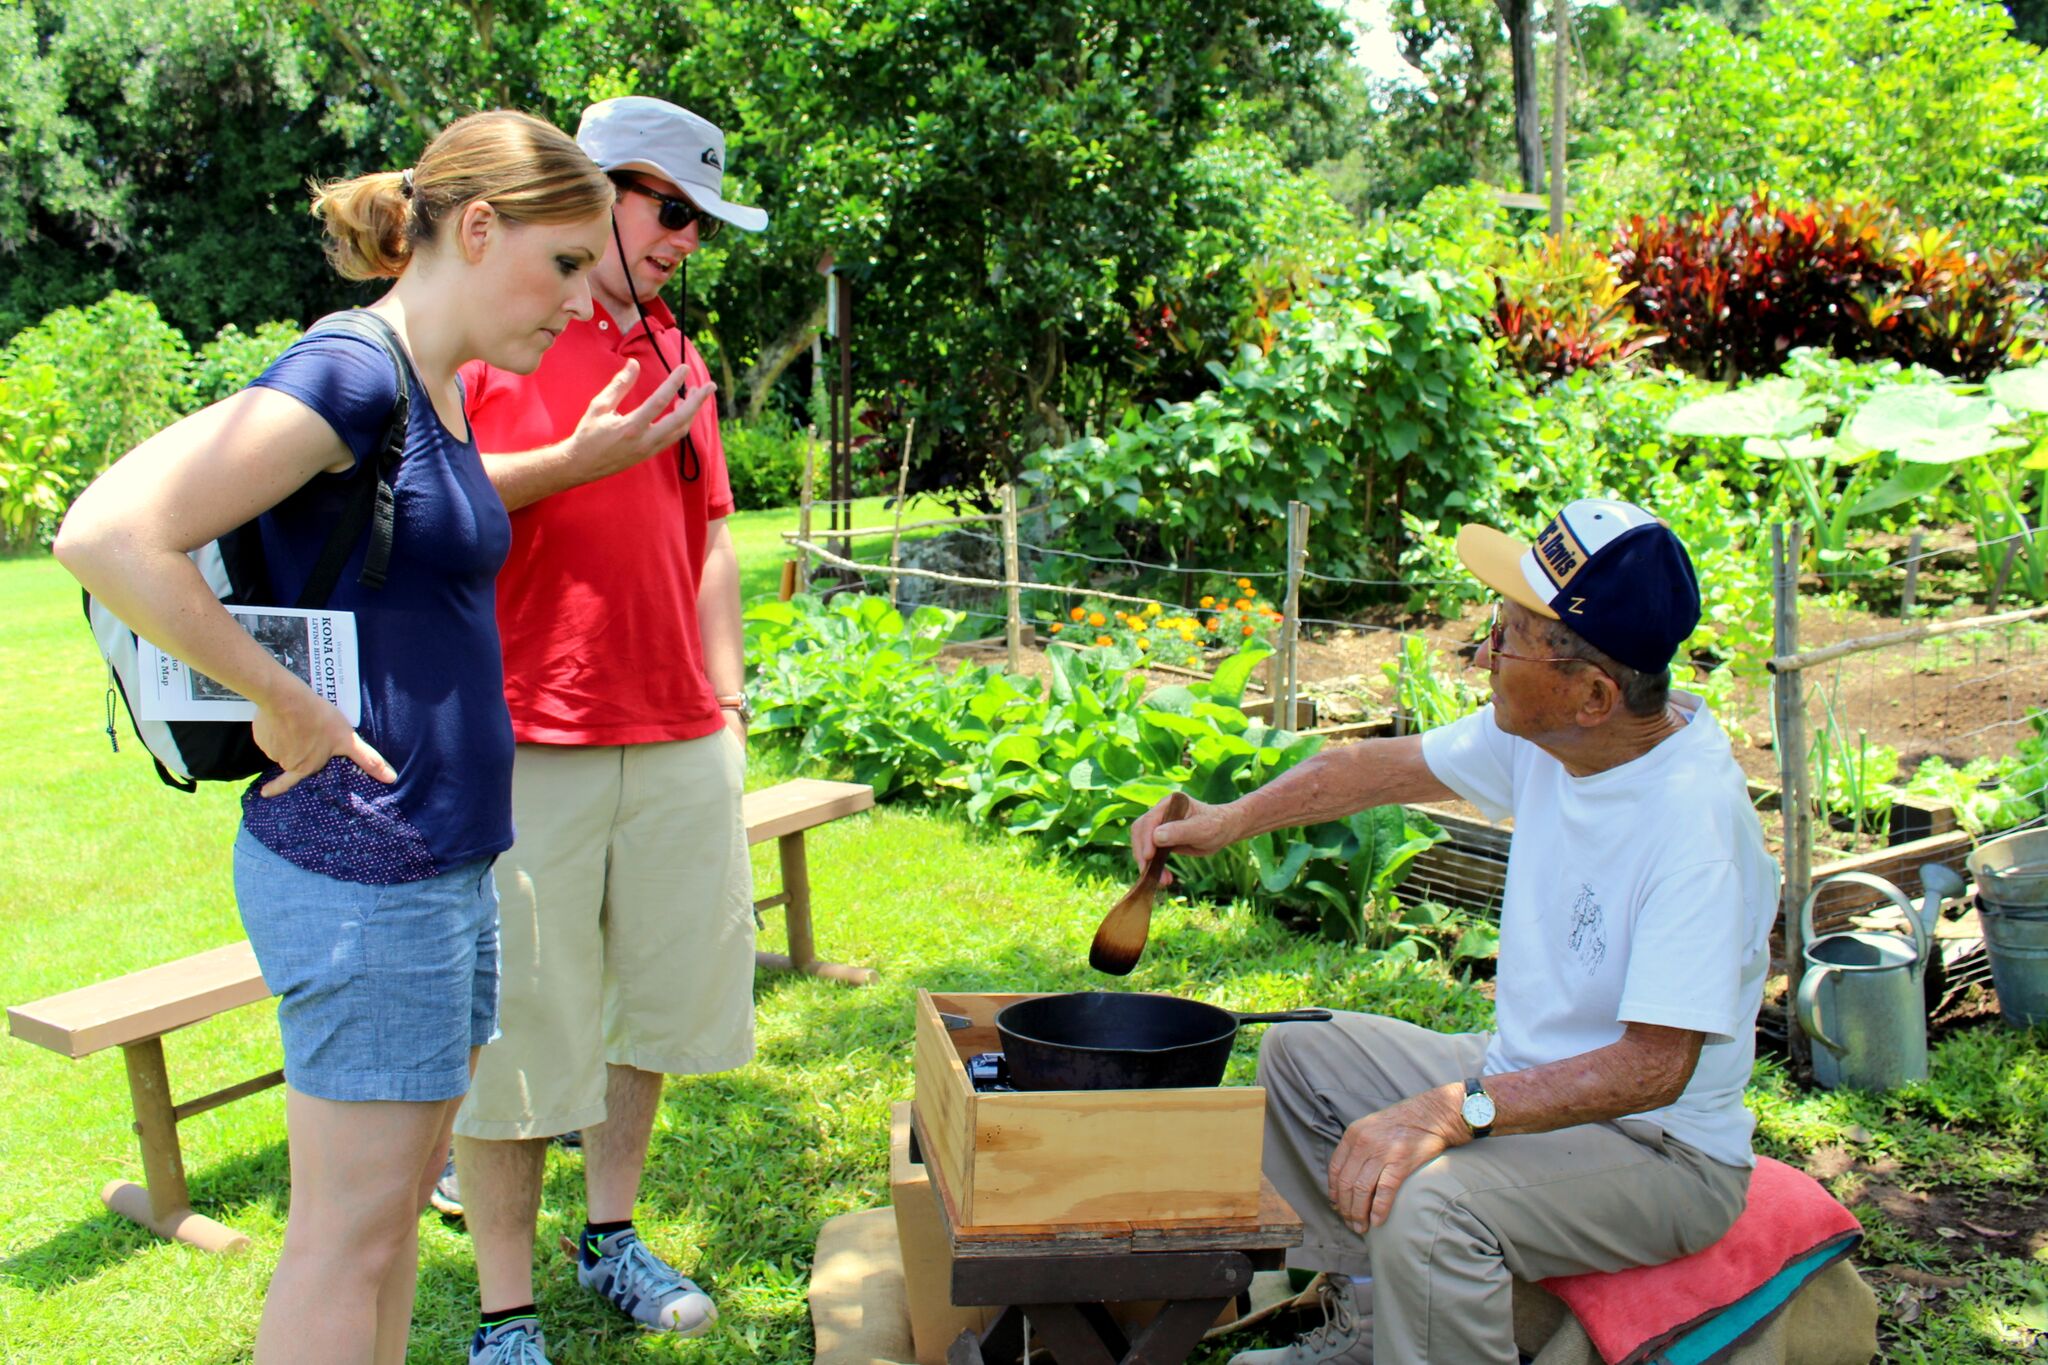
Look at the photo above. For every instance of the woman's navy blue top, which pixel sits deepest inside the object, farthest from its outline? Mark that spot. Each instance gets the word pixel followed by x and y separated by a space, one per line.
pixel 427 640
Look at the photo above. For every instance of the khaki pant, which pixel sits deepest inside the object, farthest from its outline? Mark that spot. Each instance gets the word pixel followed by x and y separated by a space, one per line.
pixel 1595 1197
pixel 626 929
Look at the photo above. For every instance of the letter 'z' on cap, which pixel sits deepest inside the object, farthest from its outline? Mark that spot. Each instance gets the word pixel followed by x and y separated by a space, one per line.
pixel 1612 572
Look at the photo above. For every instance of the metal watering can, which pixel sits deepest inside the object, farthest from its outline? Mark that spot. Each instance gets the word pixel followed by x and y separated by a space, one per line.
pixel 1863 997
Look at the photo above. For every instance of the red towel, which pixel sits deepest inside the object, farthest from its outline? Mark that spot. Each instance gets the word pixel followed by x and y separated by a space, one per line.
pixel 1629 1314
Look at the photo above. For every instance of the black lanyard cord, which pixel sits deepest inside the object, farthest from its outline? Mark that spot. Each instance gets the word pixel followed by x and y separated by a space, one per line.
pixel 688 455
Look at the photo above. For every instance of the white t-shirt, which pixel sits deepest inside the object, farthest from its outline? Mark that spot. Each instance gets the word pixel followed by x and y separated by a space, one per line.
pixel 1642 894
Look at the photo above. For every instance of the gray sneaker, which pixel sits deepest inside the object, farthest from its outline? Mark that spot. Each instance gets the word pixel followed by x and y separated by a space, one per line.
pixel 646 1288
pixel 518 1342
pixel 1345 1338
pixel 447 1194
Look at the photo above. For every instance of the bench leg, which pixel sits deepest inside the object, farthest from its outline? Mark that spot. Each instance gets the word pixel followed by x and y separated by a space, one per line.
pixel 163 1206
pixel 796 901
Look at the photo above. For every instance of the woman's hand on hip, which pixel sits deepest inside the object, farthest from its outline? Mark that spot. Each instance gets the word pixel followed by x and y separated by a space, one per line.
pixel 300 734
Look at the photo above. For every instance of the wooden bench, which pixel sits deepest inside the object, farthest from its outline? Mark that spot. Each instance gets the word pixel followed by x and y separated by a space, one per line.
pixel 135 1011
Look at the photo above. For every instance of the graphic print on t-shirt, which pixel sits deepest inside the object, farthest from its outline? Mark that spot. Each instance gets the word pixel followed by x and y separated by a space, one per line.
pixel 1589 930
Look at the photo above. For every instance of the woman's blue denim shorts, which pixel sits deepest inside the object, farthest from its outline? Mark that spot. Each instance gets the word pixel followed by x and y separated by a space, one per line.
pixel 383 990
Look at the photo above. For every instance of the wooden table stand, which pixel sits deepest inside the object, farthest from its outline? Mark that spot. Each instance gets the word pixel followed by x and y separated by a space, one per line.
pixel 164 1205
pixel 783 814
pixel 1060 1278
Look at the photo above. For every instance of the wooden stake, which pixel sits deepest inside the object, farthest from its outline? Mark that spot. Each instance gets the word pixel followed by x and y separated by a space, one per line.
pixel 1788 695
pixel 1015 608
pixel 803 512
pixel 1560 90
pixel 896 536
pixel 1290 627
pixel 1912 590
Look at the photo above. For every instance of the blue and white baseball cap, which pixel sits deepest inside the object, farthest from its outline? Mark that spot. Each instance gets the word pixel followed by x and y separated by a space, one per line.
pixel 1612 572
pixel 639 133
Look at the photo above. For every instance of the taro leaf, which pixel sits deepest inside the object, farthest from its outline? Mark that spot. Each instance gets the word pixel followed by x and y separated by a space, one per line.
pixel 1774 408
pixel 1798 448
pixel 1910 482
pixel 2023 390
pixel 1479 941
pixel 1227 683
pixel 1930 424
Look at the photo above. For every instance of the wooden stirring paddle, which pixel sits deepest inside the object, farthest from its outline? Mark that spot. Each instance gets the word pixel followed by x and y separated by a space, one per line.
pixel 1120 939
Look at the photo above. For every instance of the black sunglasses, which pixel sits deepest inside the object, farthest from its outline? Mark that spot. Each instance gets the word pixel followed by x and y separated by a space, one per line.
pixel 676 214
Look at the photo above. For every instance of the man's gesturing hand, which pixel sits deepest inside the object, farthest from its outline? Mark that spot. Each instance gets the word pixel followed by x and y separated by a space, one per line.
pixel 1382 1150
pixel 610 439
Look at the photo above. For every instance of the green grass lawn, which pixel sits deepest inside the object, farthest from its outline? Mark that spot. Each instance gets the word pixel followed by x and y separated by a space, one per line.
pixel 103 870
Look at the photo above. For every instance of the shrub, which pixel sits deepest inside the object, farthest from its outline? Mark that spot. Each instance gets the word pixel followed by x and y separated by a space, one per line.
pixel 1378 395
pixel 764 459
pixel 1560 307
pixel 125 373
pixel 1736 290
pixel 37 476
pixel 227 363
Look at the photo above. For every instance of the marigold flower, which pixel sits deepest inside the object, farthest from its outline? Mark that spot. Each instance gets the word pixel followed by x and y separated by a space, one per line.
pixel 1212 624
pixel 1153 609
pixel 1247 632
pixel 1144 644
pixel 1244 585
pixel 1243 604
pixel 1078 614
pixel 1053 629
pixel 1187 635
pixel 1104 640
pixel 1096 618
pixel 1207 600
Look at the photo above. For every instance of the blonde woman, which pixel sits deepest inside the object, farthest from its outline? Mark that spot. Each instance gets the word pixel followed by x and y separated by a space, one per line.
pixel 363 865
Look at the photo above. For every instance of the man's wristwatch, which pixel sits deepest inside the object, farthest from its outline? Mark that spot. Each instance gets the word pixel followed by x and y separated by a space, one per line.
pixel 738 703
pixel 1477 1108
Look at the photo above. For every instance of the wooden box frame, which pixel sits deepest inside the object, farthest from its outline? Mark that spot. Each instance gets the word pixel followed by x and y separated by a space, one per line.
pixel 1076 1156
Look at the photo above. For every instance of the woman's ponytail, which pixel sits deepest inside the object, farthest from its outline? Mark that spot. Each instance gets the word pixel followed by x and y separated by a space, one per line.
pixel 368 221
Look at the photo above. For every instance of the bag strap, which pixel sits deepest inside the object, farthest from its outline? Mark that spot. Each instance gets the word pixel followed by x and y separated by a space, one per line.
pixel 374 505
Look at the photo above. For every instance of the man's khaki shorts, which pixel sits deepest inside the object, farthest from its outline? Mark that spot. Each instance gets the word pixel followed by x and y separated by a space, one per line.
pixel 627 929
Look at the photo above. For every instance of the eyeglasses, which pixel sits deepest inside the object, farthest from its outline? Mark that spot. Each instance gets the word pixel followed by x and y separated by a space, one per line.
pixel 676 214
pixel 1496 633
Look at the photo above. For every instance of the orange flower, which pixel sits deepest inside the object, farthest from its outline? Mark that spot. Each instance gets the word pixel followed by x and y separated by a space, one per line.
pixel 1212 624
pixel 1096 618
pixel 1104 640
pixel 1078 614
pixel 1247 632
pixel 1244 585
pixel 1207 600
pixel 1243 604
pixel 1055 628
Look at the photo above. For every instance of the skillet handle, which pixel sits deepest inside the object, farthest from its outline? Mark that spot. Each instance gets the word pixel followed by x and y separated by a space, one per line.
pixel 1316 1016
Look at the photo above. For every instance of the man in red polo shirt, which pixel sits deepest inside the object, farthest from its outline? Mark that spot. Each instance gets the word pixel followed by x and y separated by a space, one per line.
pixel 628 929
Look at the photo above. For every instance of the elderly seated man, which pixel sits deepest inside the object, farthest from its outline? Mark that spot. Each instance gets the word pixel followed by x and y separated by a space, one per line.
pixel 1601 1124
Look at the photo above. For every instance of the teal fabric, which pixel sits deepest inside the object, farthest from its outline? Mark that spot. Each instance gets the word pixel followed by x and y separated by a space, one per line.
pixel 1724 1328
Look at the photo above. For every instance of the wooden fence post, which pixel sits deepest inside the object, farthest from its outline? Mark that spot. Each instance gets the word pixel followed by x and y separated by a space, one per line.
pixel 1912 589
pixel 1290 624
pixel 1561 11
pixel 1788 695
pixel 896 535
pixel 803 511
pixel 1015 625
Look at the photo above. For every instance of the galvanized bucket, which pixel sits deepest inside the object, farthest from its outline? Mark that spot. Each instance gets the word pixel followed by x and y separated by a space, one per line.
pixel 1861 998
pixel 2012 907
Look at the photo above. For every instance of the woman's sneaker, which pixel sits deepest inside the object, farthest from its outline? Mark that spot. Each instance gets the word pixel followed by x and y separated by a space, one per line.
pixel 518 1342
pixel 447 1193
pixel 644 1287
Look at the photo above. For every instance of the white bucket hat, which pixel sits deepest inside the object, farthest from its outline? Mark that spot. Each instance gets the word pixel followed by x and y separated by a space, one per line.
pixel 636 132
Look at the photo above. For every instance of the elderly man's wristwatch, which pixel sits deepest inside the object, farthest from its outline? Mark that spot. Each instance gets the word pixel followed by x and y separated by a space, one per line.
pixel 1477 1108
pixel 738 705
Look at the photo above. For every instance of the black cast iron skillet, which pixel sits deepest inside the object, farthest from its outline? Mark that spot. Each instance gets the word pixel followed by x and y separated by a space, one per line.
pixel 1122 1040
